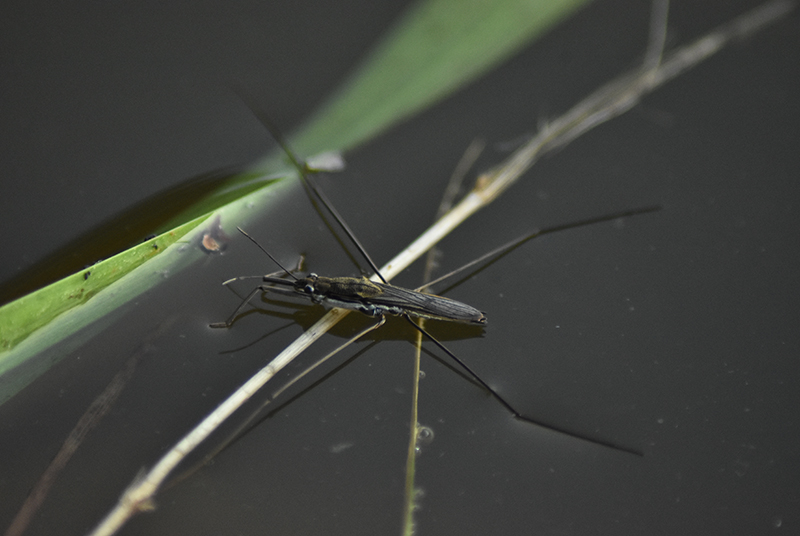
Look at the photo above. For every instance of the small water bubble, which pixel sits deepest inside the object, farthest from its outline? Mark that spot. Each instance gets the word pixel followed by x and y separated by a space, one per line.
pixel 421 374
pixel 424 437
pixel 424 434
pixel 777 522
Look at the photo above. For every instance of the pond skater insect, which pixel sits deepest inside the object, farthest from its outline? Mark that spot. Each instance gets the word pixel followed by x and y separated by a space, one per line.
pixel 378 299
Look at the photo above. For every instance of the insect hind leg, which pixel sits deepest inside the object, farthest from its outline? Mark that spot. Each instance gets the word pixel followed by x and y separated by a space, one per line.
pixel 511 409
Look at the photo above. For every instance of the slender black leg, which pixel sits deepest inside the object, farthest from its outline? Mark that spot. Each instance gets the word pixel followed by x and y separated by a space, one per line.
pixel 511 409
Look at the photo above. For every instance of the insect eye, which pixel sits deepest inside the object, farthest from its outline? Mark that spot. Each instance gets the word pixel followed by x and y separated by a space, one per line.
pixel 309 288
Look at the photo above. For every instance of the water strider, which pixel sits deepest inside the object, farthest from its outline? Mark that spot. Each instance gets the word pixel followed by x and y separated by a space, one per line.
pixel 378 299
pixel 362 295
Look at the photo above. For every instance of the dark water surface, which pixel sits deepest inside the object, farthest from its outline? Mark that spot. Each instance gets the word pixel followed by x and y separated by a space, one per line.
pixel 673 333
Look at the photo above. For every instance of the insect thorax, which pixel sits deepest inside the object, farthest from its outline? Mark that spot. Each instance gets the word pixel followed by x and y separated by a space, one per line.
pixel 345 292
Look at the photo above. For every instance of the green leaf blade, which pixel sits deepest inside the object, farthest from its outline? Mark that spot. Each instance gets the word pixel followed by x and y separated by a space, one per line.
pixel 436 48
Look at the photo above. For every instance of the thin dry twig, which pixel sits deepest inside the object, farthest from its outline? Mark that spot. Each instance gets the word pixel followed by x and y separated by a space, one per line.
pixel 93 415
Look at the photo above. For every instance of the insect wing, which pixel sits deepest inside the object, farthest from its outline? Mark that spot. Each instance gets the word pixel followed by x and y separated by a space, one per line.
pixel 428 305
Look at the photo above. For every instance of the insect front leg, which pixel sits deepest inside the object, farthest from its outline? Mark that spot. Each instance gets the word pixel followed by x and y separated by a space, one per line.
pixel 229 322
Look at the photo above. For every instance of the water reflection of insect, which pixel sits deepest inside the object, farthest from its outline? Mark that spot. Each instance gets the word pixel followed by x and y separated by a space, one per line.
pixel 377 299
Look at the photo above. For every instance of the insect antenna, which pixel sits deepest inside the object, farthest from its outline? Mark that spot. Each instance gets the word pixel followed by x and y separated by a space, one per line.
pixel 254 241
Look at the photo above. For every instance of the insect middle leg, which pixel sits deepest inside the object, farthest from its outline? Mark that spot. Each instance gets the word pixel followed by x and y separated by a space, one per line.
pixel 229 322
